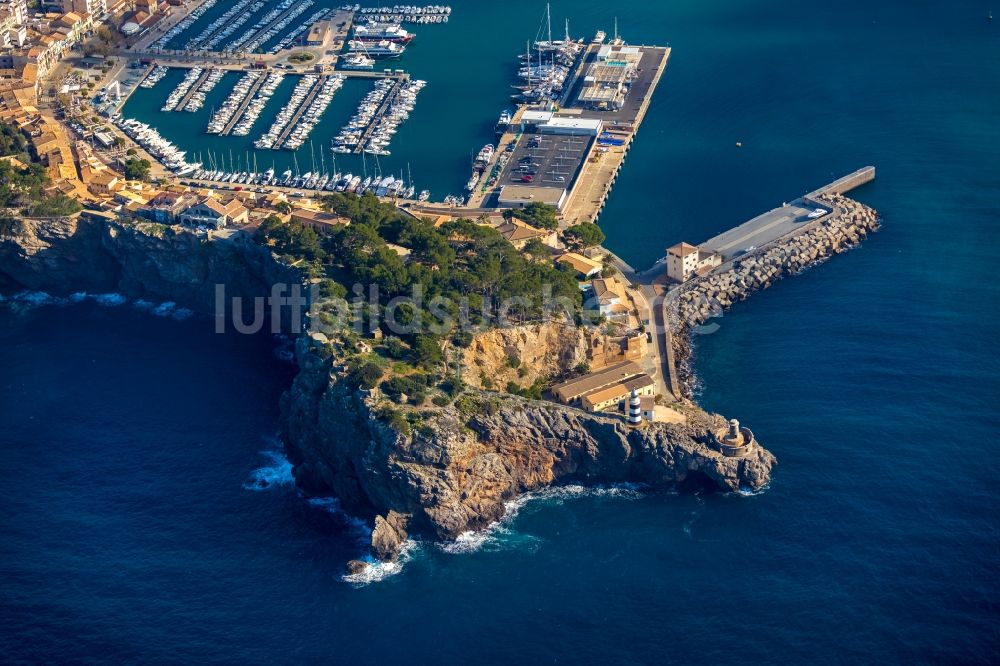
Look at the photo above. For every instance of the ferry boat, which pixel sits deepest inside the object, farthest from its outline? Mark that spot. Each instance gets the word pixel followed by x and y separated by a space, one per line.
pixel 378 50
pixel 377 32
pixel 484 157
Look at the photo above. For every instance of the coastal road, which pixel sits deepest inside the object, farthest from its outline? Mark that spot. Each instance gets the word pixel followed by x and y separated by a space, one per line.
pixel 650 293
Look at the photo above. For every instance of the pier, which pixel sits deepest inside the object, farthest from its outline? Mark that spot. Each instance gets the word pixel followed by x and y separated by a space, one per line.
pixel 600 170
pixel 383 107
pixel 307 100
pixel 243 106
pixel 788 219
pixel 586 170
pixel 194 88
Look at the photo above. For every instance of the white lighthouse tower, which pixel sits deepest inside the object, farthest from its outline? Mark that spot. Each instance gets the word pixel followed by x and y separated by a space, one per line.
pixel 634 409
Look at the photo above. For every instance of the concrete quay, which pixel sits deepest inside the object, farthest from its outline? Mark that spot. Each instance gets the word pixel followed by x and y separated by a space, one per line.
pixel 593 185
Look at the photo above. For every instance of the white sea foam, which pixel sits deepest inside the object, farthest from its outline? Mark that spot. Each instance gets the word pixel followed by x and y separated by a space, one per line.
pixel 379 571
pixel 284 348
pixel 34 299
pixel 276 474
pixel 358 527
pixel 499 535
pixel 110 300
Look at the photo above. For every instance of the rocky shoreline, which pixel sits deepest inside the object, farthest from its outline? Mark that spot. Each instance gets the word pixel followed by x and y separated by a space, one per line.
pixel 455 473
pixel 450 475
pixel 697 301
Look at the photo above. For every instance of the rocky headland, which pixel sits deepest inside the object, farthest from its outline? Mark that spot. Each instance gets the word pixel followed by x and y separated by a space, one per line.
pixel 448 474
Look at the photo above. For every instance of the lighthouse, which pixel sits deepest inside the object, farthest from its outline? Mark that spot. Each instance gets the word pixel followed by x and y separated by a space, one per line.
pixel 634 410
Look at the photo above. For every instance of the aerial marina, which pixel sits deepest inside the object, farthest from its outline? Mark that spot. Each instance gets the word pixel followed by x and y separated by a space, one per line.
pixel 562 141
pixel 269 26
pixel 257 103
pixel 378 116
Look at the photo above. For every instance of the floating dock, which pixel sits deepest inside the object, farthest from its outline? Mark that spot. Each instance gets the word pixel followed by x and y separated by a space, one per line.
pixel 243 106
pixel 194 88
pixel 386 103
pixel 306 101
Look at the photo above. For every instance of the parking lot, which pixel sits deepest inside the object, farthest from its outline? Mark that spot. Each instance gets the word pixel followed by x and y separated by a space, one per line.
pixel 546 160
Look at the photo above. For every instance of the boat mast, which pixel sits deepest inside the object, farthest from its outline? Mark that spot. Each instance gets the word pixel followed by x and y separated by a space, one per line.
pixel 548 21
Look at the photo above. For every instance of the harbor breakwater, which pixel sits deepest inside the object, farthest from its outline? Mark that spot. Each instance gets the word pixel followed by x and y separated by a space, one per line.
pixel 695 302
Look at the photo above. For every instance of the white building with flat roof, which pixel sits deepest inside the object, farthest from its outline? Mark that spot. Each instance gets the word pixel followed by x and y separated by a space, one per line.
pixel 519 196
pixel 572 126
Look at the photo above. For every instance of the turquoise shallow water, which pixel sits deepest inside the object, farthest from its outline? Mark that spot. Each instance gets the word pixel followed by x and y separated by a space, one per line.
pixel 128 439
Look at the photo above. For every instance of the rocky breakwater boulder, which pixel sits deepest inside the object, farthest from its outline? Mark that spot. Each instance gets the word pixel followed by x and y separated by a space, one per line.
pixel 454 472
pixel 848 225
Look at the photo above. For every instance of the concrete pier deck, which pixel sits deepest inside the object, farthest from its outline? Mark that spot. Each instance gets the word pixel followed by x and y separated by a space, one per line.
pixel 298 112
pixel 377 117
pixel 782 221
pixel 600 171
pixel 190 93
pixel 243 106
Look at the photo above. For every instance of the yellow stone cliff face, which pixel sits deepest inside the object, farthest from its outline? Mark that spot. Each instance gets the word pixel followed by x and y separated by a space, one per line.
pixel 523 354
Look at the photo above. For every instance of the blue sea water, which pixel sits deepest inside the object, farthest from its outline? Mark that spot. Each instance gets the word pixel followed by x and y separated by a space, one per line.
pixel 148 516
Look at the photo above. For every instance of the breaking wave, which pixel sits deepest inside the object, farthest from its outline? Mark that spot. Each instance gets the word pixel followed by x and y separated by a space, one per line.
pixel 500 535
pixel 36 299
pixel 170 309
pixel 276 474
pixel 374 572
pixel 357 527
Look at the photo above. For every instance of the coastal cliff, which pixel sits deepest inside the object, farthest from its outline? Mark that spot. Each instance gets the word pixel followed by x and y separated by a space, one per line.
pixel 454 472
pixel 138 260
pixel 450 473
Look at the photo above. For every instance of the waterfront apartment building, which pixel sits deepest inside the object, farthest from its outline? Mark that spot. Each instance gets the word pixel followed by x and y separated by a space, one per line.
pixel 685 260
pixel 95 8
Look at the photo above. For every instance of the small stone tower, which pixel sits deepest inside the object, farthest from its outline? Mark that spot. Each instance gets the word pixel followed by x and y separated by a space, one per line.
pixel 634 410
pixel 734 441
